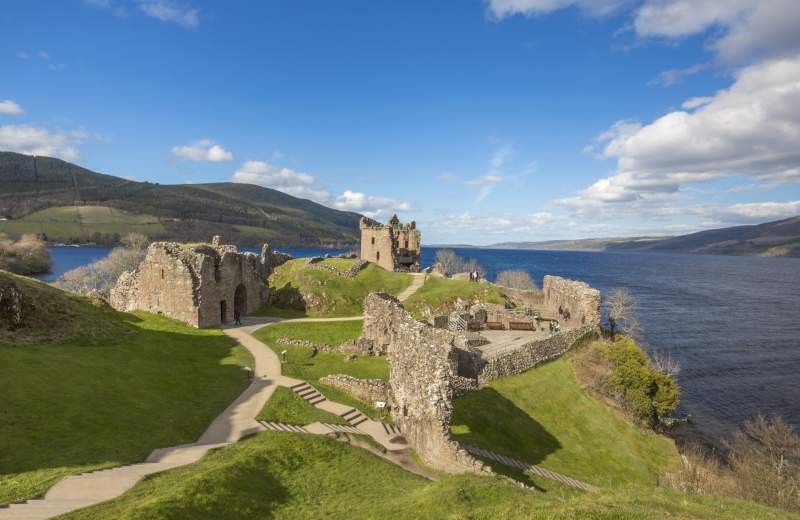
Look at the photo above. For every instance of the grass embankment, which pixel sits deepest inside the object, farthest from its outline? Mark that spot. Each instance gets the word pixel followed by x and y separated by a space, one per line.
pixel 287 407
pixel 440 295
pixel 113 388
pixel 300 289
pixel 295 476
pixel 544 417
pixel 301 363
pixel 72 222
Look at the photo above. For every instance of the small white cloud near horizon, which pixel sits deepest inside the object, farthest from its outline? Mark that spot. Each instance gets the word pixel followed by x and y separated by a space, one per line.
pixel 168 11
pixel 10 108
pixel 202 150
pixel 672 77
pixel 368 205
pixel 41 141
pixel 500 9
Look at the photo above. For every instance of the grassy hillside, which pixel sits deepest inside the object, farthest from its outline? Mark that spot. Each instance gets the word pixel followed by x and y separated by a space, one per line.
pixel 299 289
pixel 294 476
pixel 440 295
pixel 93 388
pixel 542 416
pixel 243 213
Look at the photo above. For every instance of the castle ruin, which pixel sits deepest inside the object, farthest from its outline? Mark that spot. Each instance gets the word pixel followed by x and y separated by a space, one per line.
pixel 203 285
pixel 393 246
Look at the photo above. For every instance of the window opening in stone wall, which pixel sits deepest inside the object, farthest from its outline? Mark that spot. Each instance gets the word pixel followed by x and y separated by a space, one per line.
pixel 377 256
pixel 373 241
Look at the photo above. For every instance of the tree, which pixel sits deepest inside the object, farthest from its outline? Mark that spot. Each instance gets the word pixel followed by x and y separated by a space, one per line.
pixel 28 255
pixel 621 307
pixel 516 279
pixel 448 260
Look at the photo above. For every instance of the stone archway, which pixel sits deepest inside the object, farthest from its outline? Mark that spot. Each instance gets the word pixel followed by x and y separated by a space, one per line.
pixel 240 300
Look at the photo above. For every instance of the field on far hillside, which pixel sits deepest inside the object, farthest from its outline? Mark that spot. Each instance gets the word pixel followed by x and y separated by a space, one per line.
pixel 301 289
pixel 299 476
pixel 65 222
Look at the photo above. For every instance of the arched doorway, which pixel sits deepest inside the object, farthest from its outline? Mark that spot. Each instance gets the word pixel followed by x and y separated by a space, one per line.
pixel 240 300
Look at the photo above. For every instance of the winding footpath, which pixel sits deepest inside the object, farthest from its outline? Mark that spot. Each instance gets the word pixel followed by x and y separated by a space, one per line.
pixel 237 421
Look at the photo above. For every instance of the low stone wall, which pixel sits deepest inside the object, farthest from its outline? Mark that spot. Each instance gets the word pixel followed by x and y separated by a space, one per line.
pixel 349 274
pixel 295 342
pixel 367 390
pixel 530 355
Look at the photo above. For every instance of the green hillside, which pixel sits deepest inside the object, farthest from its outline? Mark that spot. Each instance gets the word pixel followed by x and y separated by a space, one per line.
pixel 243 213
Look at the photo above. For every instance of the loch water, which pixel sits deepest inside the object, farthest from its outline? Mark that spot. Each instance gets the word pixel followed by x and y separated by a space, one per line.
pixel 733 323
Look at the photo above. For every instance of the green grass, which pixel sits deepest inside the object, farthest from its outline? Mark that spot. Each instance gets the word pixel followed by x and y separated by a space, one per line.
pixel 542 416
pixel 276 475
pixel 61 223
pixel 440 294
pixel 288 407
pixel 301 364
pixel 343 264
pixel 74 406
pixel 314 292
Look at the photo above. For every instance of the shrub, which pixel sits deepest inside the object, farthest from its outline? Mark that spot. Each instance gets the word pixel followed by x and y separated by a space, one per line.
pixel 28 255
pixel 516 279
pixel 451 263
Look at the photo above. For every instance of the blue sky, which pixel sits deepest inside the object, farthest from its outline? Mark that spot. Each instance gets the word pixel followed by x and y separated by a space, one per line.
pixel 485 121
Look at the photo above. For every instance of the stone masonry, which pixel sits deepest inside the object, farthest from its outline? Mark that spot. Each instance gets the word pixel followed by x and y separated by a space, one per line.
pixel 368 390
pixel 393 246
pixel 200 284
pixel 581 300
pixel 423 366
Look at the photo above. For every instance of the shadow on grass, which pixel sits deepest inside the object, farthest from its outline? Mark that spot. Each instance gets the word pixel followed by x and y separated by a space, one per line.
pixel 486 418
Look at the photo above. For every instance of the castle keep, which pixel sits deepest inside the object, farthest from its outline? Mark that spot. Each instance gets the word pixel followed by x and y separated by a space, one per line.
pixel 200 284
pixel 393 246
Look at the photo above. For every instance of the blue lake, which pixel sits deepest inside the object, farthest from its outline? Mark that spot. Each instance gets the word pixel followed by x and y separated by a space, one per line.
pixel 733 323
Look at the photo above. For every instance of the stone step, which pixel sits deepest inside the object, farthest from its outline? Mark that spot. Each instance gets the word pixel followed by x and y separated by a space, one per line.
pixel 390 429
pixel 283 427
pixel 342 428
pixel 298 385
pixel 316 400
pixel 354 417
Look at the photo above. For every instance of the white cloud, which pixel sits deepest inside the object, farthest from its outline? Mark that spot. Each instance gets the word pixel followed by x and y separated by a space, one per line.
pixel 495 224
pixel 760 211
pixel 744 27
pixel 168 11
pixel 486 183
pixel 41 141
pixel 203 150
pixel 44 55
pixel 23 55
pixel 499 9
pixel 672 77
pixel 368 205
pixel 10 108
pixel 750 129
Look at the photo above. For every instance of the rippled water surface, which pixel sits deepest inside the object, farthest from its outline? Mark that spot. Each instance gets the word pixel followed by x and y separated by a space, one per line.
pixel 733 323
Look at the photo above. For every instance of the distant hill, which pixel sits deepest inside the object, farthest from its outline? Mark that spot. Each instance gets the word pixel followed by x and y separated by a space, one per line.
pixel 72 204
pixel 778 238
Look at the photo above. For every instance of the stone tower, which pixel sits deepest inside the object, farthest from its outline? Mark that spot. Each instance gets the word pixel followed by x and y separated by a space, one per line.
pixel 393 246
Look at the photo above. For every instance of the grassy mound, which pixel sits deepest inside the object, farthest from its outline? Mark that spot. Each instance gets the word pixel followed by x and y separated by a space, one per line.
pixel 74 406
pixel 295 476
pixel 542 416
pixel 440 294
pixel 65 222
pixel 300 289
pixel 55 315
pixel 287 407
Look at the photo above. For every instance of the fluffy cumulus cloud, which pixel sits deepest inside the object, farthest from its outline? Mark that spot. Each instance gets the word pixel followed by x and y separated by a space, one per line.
pixel 758 211
pixel 10 108
pixel 41 141
pixel 203 150
pixel 304 185
pixel 500 9
pixel 369 205
pixel 750 129
pixel 168 11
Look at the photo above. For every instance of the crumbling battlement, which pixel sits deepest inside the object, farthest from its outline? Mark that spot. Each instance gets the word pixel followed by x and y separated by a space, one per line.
pixel 393 246
pixel 423 366
pixel 202 284
pixel 580 300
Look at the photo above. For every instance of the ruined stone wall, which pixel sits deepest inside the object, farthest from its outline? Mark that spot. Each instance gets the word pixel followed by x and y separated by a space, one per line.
pixel 582 301
pixel 391 246
pixel 190 283
pixel 351 273
pixel 423 374
pixel 377 245
pixel 529 355
pixel 368 390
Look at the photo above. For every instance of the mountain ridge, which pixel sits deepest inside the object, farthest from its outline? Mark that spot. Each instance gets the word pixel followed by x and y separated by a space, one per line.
pixel 244 213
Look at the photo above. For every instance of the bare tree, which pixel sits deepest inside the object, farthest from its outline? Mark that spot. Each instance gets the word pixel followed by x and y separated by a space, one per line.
pixel 448 259
pixel 622 307
pixel 665 363
pixel 28 255
pixel 516 279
